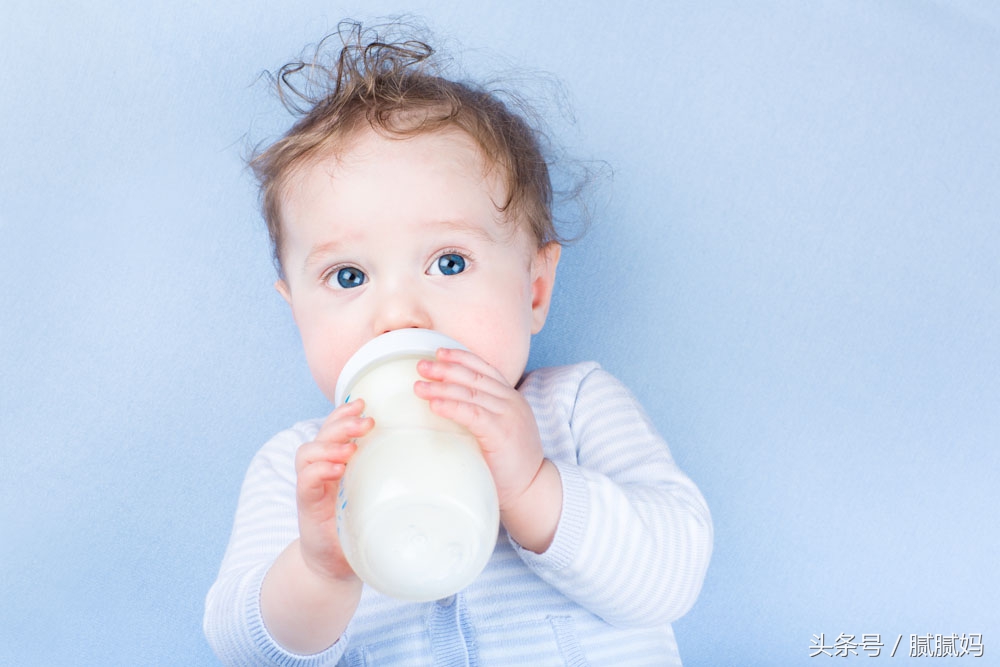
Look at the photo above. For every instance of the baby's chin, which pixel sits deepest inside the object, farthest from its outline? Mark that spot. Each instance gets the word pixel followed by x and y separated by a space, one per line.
pixel 512 375
pixel 328 387
pixel 513 369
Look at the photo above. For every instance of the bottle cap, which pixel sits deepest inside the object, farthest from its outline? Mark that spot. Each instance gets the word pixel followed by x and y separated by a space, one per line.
pixel 398 343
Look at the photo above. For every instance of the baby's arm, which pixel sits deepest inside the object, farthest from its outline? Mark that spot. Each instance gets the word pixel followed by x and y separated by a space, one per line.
pixel 635 534
pixel 607 518
pixel 265 563
pixel 310 592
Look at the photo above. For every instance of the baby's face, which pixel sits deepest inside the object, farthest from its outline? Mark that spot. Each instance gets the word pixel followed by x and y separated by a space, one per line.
pixel 405 233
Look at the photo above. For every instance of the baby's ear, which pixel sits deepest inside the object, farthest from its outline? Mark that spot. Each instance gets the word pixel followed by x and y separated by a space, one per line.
pixel 283 290
pixel 543 278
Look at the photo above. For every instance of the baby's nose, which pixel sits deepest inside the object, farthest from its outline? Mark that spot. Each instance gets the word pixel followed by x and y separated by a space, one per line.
pixel 403 309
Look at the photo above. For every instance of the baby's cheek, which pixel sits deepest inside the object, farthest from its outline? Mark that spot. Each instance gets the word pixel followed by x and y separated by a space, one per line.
pixel 511 357
pixel 325 368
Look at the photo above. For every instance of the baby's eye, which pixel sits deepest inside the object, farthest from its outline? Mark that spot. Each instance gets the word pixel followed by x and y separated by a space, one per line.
pixel 448 264
pixel 348 277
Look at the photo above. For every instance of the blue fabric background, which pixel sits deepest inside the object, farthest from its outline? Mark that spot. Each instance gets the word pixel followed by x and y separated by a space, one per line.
pixel 795 268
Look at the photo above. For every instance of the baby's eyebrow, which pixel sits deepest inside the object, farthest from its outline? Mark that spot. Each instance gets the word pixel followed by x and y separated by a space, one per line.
pixel 463 227
pixel 319 251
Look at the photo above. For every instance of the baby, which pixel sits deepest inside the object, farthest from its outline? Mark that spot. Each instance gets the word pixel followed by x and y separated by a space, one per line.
pixel 404 199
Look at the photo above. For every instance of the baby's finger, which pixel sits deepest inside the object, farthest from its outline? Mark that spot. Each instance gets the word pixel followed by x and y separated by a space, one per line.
pixel 351 409
pixel 346 428
pixel 458 373
pixel 318 480
pixel 459 393
pixel 323 451
pixel 320 472
pixel 480 421
pixel 470 360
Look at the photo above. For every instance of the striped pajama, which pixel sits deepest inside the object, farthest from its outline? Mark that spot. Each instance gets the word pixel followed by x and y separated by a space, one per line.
pixel 629 555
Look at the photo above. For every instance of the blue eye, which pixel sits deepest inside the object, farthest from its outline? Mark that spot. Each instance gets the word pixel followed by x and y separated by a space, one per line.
pixel 451 264
pixel 349 277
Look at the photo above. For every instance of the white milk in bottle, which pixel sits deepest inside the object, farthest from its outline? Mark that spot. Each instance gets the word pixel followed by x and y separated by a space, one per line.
pixel 417 512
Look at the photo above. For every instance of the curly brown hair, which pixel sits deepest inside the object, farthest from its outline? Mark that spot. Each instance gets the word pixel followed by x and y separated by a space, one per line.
pixel 394 85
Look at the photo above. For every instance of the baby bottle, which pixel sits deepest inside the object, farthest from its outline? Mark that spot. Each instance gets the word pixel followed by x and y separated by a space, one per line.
pixel 417 513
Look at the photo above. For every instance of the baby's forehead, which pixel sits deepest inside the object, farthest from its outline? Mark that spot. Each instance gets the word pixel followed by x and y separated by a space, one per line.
pixel 369 149
pixel 370 143
pixel 438 179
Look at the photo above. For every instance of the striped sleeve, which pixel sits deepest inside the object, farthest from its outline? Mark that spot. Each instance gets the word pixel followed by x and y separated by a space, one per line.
pixel 266 522
pixel 635 535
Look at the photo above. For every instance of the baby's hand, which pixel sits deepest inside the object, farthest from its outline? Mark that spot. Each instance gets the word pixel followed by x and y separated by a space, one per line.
pixel 469 391
pixel 320 466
